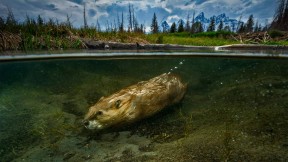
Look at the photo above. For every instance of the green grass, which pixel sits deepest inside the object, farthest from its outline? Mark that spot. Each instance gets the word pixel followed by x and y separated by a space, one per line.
pixel 280 43
pixel 203 39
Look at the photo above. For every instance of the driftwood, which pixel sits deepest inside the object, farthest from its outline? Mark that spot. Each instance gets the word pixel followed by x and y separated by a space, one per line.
pixel 101 45
pixel 12 41
pixel 9 41
pixel 258 38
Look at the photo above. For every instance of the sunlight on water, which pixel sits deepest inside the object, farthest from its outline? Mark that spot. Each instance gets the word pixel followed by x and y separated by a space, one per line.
pixel 234 110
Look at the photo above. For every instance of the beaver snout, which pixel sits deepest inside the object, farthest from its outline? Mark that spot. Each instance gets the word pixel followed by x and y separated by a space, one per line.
pixel 85 123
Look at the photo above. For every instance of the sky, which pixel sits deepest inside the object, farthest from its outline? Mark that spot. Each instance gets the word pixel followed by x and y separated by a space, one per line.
pixel 107 10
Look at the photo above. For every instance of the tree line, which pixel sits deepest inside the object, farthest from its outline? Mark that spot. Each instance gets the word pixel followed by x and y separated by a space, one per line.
pixel 197 27
pixel 280 22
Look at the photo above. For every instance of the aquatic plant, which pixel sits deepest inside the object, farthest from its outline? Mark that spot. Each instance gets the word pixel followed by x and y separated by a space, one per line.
pixel 227 143
pixel 187 122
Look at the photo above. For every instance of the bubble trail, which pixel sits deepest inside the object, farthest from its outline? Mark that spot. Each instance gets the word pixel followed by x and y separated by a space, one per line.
pixel 177 67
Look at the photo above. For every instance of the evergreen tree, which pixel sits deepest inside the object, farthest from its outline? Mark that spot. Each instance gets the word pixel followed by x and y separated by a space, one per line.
pixel 135 24
pixel 142 28
pixel 227 28
pixel 250 24
pixel 154 25
pixel 165 27
pixel 211 26
pixel 120 23
pixel 197 27
pixel 180 26
pixel 200 28
pixel 257 27
pixel 121 27
pixel 40 21
pixel 220 27
pixel 242 28
pixel 173 28
pixel 192 23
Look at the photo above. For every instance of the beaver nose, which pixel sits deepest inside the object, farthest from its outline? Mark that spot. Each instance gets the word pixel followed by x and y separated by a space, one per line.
pixel 86 123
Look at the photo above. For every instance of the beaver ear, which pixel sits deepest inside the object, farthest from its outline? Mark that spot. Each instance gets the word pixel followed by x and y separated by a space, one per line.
pixel 117 104
pixel 101 98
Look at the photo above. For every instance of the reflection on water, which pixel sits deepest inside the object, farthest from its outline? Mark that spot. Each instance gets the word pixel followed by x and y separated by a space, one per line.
pixel 234 110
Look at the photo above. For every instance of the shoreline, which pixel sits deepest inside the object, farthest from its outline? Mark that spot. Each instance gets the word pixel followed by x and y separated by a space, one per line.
pixel 115 47
pixel 100 45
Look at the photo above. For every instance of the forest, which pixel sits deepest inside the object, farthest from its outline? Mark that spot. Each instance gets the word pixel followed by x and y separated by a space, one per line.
pixel 51 34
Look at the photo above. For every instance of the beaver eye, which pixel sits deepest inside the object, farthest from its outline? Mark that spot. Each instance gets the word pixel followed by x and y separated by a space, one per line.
pixel 99 113
pixel 117 104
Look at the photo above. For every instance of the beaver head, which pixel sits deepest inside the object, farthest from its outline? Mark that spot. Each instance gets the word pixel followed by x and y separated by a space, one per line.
pixel 110 110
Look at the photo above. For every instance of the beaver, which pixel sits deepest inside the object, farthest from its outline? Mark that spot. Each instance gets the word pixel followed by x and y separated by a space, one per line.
pixel 135 102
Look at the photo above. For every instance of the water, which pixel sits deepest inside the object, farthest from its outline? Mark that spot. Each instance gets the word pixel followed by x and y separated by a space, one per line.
pixel 235 109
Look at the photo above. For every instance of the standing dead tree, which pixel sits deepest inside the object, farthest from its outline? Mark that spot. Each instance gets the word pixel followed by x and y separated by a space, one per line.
pixel 84 17
pixel 280 21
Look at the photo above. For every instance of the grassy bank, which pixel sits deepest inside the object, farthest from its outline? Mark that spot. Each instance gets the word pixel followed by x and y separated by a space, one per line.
pixel 56 38
pixel 200 39
pixel 53 35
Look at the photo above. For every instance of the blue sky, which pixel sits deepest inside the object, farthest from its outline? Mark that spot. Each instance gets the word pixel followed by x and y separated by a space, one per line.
pixel 170 10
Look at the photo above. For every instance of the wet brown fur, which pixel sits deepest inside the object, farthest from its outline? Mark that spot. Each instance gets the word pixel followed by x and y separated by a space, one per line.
pixel 136 102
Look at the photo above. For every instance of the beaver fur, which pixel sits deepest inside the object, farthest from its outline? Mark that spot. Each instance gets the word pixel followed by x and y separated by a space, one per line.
pixel 135 102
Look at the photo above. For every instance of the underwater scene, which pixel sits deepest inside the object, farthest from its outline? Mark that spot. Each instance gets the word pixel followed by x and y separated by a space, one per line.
pixel 234 109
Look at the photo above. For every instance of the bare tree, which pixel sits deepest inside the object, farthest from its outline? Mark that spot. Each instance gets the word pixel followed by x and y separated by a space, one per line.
pixel 187 26
pixel 280 21
pixel 120 23
pixel 84 17
pixel 98 27
pixel 240 23
pixel 130 18
pixel 67 23
pixel 10 20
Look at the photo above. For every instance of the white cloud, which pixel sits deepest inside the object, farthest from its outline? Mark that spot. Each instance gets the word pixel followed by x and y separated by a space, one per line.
pixel 170 9
pixel 173 18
